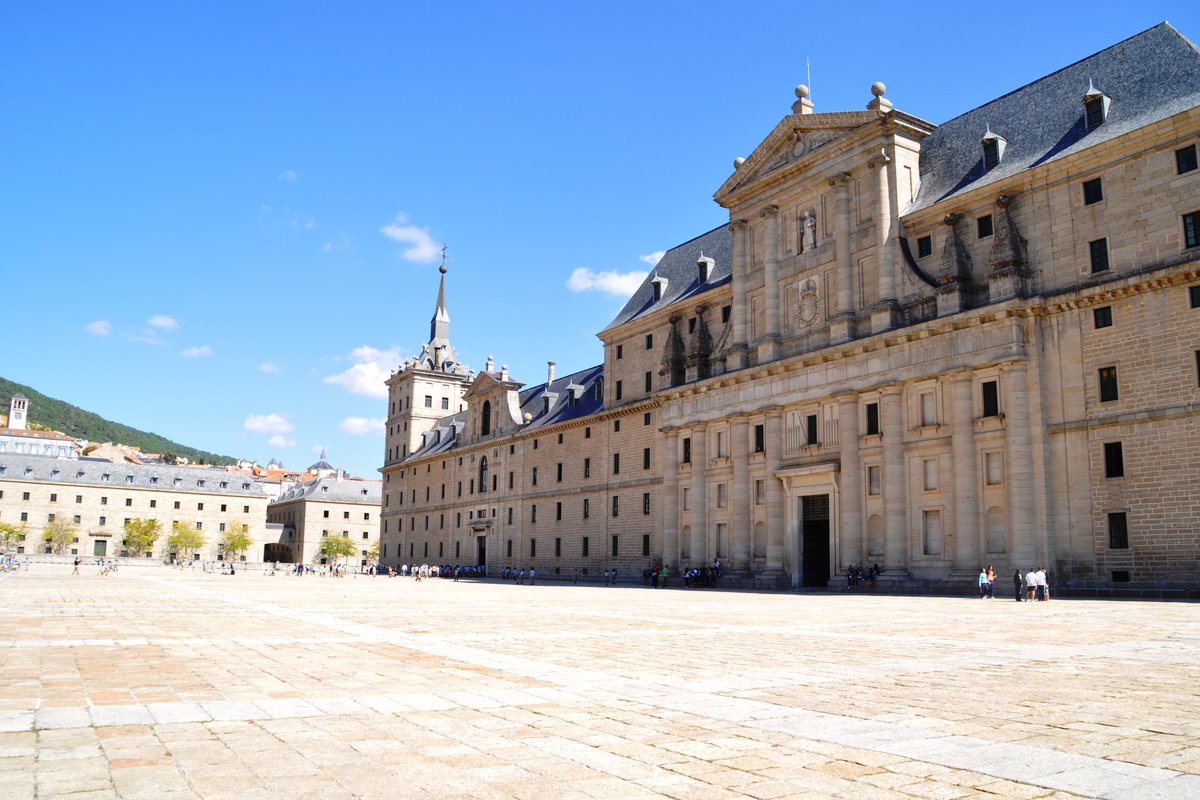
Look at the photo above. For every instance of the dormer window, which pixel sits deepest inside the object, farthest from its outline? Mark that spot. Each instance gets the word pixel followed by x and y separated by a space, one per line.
pixel 993 149
pixel 660 285
pixel 1095 107
pixel 705 266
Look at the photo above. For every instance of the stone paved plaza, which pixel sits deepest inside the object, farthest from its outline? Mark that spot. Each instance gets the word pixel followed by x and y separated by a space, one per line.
pixel 155 683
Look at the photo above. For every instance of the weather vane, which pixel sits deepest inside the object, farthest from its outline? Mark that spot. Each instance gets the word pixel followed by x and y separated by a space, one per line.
pixel 445 258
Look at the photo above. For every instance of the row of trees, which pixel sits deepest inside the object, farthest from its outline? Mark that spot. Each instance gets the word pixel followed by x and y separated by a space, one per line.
pixel 140 536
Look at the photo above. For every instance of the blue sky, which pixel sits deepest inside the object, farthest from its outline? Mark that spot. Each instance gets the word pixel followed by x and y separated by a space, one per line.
pixel 221 221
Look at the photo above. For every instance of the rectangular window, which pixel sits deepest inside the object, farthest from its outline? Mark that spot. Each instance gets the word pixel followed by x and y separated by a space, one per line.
pixel 1093 191
pixel 429 401
pixel 1194 296
pixel 760 492
pixel 616 506
pixel 560 438
pixel 585 547
pixel 991 153
pixel 1191 229
pixel 722 495
pixel 687 450
pixel 533 478
pixel 457 549
pixel 1108 384
pixel 445 403
pixel 24 495
pixel 620 351
pixel 645 458
pixel 760 438
pixel 154 504
pixel 221 527
pixel 928 408
pixel 104 502
pixel 53 497
pixel 1114 460
pixel 533 548
pixel 991 398
pixel 872 410
pixel 587 432
pixel 199 525
pixel 533 513
pixel 510 513
pixel 810 429
pixel 646 418
pixel 618 390
pixel 873 480
pixel 649 383
pixel 508 548
pixel 1098 253
pixel 616 470
pixel 645 545
pixel 645 503
pixel 616 426
pixel 614 546
pixel 558 511
pixel 983 226
pixel 558 472
pixel 1185 159
pixel 1118 530
pixel 649 341
pixel 557 547
pixel 78 498
pixel 1093 109
pixel 587 468
pixel 1102 317
pixel 924 246
pixel 587 508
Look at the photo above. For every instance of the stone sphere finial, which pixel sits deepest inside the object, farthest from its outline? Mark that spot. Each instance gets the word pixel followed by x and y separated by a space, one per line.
pixel 442 269
pixel 878 88
pixel 803 91
pixel 737 162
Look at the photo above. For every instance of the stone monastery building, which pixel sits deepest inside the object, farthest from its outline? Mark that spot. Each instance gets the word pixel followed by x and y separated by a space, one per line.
pixel 927 347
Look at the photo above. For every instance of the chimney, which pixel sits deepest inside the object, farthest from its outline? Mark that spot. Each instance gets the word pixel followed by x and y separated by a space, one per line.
pixel 549 373
pixel 705 265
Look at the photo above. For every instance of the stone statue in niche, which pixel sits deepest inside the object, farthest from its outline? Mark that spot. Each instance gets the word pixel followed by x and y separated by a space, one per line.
pixel 808 236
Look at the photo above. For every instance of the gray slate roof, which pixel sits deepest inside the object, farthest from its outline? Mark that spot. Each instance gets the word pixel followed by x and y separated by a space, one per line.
pixel 1150 76
pixel 97 472
pixel 444 436
pixel 334 491
pixel 678 266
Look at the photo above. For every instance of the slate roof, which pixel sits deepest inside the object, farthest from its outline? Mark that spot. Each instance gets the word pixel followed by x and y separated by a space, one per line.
pixel 334 491
pixel 1149 77
pixel 93 472
pixel 678 266
pixel 444 435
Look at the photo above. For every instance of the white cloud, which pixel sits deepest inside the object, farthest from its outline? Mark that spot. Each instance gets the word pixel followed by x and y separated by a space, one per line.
pixel 653 258
pixel 421 248
pixel 267 366
pixel 197 352
pixel 268 423
pixel 162 322
pixel 100 327
pixel 371 368
pixel 318 448
pixel 288 176
pixel 614 283
pixel 361 426
pixel 281 441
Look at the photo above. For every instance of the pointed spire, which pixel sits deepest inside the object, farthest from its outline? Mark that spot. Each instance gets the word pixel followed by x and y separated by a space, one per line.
pixel 439 326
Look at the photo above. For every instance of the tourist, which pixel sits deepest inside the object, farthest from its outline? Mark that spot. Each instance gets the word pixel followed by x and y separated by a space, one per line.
pixel 1018 584
pixel 532 576
pixel 1030 584
pixel 665 575
pixel 991 581
pixel 654 577
pixel 983 592
pixel 78 561
pixel 1043 588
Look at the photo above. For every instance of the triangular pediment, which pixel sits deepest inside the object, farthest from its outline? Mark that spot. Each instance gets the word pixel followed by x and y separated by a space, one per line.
pixel 487 383
pixel 793 140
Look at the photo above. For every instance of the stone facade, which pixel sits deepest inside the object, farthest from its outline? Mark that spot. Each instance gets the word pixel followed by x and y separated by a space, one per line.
pixel 927 348
pixel 326 506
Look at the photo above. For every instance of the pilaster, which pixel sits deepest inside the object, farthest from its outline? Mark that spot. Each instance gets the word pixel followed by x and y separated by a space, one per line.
pixel 895 495
pixel 768 344
pixel 670 498
pixel 851 532
pixel 739 513
pixel 775 495
pixel 697 552
pixel 841 325
pixel 966 491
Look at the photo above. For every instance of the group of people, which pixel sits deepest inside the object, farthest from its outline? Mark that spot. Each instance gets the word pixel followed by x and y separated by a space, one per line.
pixel 13 564
pixel 855 575
pixel 1037 586
pixel 106 565
pixel 704 577
pixel 519 575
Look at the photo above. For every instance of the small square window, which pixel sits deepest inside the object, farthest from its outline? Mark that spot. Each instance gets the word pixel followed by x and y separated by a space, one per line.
pixel 924 246
pixel 1191 229
pixel 1094 111
pixel 1185 159
pixel 1108 384
pixel 616 426
pixel 983 225
pixel 1093 191
pixel 1098 255
pixel 1102 317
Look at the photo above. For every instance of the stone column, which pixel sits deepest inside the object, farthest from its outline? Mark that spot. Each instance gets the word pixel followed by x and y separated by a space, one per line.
pixel 775 494
pixel 739 351
pixel 895 483
pixel 851 533
pixel 883 316
pixel 841 327
pixel 966 481
pixel 1019 469
pixel 670 499
pixel 768 346
pixel 699 554
pixel 739 513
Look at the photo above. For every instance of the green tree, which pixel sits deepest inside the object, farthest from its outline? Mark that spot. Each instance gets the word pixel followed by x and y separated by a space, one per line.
pixel 141 534
pixel 11 534
pixel 335 547
pixel 373 552
pixel 59 534
pixel 184 540
pixel 236 541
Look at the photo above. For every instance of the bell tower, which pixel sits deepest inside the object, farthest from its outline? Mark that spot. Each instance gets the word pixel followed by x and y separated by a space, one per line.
pixel 18 412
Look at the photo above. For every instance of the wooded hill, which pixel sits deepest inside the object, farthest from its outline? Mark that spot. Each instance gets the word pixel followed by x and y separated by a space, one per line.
pixel 77 423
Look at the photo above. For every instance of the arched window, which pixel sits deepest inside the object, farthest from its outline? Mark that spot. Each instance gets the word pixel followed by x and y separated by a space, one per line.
pixel 483 474
pixel 485 425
